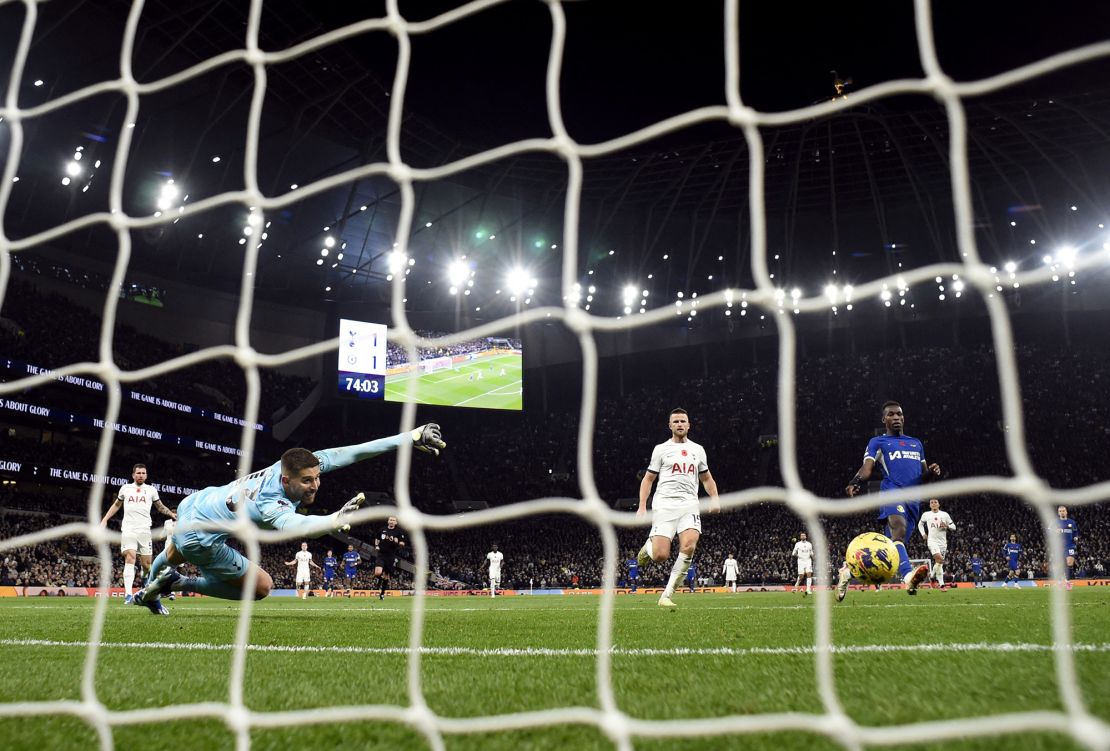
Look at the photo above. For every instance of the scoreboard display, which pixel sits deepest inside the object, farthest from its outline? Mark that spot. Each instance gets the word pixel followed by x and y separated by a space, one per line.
pixel 362 359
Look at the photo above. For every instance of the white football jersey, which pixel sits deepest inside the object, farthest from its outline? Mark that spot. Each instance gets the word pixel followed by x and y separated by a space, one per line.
pixel 303 557
pixel 495 562
pixel 137 500
pixel 931 521
pixel 678 466
pixel 732 568
pixel 804 550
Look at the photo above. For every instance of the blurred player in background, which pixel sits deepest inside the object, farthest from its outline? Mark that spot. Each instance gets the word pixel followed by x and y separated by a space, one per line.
pixel 389 543
pixel 731 571
pixel 692 577
pixel 302 560
pixel 493 559
pixel 1069 536
pixel 351 560
pixel 270 498
pixel 633 574
pixel 934 526
pixel 136 498
pixel 1012 551
pixel 901 461
pixel 679 464
pixel 330 564
pixel 977 569
pixel 803 551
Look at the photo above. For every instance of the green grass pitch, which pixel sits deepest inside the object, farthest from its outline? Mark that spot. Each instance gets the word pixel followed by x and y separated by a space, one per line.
pixel 455 388
pixel 515 654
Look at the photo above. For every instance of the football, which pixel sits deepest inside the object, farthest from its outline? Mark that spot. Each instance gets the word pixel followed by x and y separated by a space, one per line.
pixel 872 558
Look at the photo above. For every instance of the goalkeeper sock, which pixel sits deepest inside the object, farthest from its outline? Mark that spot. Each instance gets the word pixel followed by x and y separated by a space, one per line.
pixel 207 585
pixel 159 563
pixel 128 577
pixel 904 566
pixel 678 573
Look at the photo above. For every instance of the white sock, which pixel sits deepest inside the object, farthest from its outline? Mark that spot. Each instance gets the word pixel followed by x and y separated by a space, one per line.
pixel 128 577
pixel 809 584
pixel 678 573
pixel 938 572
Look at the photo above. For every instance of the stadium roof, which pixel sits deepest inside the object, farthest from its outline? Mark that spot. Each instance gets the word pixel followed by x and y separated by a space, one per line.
pixel 872 182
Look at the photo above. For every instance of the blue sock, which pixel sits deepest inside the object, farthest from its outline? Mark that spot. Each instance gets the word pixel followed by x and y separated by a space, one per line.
pixel 159 563
pixel 904 566
pixel 211 586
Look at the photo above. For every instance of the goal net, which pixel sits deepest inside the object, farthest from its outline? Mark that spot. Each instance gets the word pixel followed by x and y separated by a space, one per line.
pixel 831 720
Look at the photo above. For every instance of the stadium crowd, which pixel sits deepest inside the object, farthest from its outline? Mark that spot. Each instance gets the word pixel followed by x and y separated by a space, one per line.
pixel 950 396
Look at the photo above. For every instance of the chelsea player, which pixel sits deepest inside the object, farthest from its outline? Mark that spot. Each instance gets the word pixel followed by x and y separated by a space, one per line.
pixel 351 559
pixel 901 460
pixel 272 496
pixel 330 564
pixel 1012 551
pixel 633 574
pixel 1069 535
pixel 977 569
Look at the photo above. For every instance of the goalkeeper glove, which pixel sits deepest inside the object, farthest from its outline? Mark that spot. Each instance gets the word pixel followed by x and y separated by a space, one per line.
pixel 428 439
pixel 349 508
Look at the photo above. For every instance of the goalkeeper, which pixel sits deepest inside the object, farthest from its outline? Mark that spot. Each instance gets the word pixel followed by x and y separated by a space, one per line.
pixel 272 496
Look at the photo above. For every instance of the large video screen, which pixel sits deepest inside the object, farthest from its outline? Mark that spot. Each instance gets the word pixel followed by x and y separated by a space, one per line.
pixel 482 373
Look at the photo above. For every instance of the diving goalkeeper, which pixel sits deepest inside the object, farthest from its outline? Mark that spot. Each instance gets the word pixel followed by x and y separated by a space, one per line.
pixel 272 496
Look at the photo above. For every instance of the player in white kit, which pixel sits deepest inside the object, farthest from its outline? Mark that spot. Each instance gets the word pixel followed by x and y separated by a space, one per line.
pixel 136 498
pixel 302 560
pixel 803 551
pixel 730 571
pixel 494 558
pixel 934 526
pixel 679 464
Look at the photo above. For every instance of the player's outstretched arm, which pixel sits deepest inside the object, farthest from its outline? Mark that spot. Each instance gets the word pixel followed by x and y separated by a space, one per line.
pixel 930 472
pixel 426 438
pixel 710 486
pixel 111 512
pixel 862 476
pixel 645 491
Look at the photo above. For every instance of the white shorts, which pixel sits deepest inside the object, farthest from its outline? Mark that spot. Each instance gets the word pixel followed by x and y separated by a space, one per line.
pixel 805 567
pixel 495 578
pixel 668 523
pixel 303 579
pixel 938 547
pixel 136 540
pixel 730 580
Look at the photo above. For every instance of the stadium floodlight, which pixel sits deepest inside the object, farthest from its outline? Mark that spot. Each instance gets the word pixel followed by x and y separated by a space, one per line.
pixel 73 169
pixel 519 280
pixel 167 195
pixel 1010 267
pixel 795 293
pixel 396 261
pixel 628 295
pixel 832 292
pixel 1066 254
pixel 329 241
pixel 457 272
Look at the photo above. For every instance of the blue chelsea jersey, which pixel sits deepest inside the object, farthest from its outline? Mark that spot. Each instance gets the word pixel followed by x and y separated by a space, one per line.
pixel 330 562
pixel 350 559
pixel 1012 551
pixel 899 458
pixel 1068 530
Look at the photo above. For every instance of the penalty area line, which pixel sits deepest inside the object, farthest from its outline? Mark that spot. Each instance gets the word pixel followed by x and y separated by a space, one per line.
pixel 1003 648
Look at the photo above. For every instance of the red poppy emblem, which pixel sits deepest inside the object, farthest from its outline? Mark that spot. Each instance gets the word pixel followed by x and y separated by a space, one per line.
pixel 684 452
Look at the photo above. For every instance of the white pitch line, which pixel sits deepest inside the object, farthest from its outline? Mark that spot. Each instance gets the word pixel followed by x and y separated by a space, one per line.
pixel 568 652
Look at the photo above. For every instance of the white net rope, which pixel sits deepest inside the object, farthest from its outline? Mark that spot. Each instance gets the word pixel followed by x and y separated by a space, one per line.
pixel 1074 720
